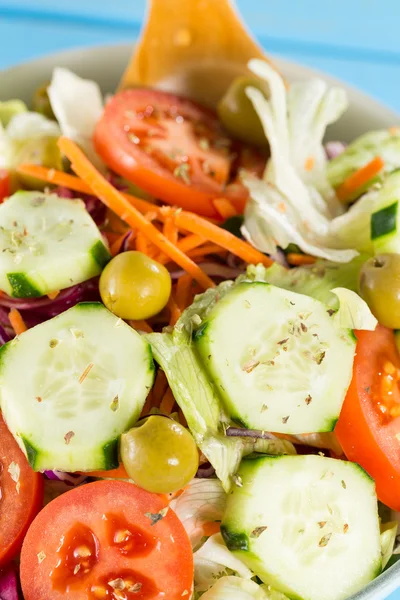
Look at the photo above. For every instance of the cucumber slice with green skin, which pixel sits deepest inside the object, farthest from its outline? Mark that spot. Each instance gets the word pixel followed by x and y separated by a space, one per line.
pixel 72 385
pixel 47 244
pixel 277 358
pixel 306 525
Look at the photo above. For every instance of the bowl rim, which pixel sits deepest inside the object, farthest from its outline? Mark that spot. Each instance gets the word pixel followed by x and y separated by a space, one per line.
pixel 389 580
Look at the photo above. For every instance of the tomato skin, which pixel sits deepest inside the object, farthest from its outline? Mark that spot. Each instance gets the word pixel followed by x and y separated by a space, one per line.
pixel 93 517
pixel 365 438
pixel 17 510
pixel 5 184
pixel 131 161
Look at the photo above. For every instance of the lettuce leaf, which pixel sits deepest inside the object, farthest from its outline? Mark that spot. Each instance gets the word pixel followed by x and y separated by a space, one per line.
pixel 29 137
pixel 237 588
pixel 295 201
pixel 203 501
pixel 78 105
pixel 354 312
pixel 388 539
pixel 213 560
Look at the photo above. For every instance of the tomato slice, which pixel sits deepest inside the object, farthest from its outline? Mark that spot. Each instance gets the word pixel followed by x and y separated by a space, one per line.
pixel 369 425
pixel 5 184
pixel 108 539
pixel 21 495
pixel 169 146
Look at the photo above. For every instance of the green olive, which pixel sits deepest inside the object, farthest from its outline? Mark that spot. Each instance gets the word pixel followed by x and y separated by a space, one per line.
pixel 41 102
pixel 133 286
pixel 159 454
pixel 237 113
pixel 380 288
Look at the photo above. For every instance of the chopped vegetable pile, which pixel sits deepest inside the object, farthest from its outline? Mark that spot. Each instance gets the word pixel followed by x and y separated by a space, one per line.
pixel 199 340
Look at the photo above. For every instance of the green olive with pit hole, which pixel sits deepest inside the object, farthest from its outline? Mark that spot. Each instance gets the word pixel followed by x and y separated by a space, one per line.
pixel 380 288
pixel 237 114
pixel 159 454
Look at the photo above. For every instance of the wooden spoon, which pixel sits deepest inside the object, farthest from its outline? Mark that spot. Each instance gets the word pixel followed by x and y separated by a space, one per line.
pixel 191 47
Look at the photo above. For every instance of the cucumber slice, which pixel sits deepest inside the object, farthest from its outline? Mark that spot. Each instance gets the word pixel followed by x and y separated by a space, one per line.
pixel 306 525
pixel 277 358
pixel 72 385
pixel 385 219
pixel 47 243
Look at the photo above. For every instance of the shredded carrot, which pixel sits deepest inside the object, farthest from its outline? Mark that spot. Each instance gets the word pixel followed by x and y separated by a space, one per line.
pixel 170 230
pixel 167 403
pixel 142 244
pixel 174 495
pixel 222 237
pixel 211 527
pixel 53 295
pixel 159 387
pixel 300 259
pixel 127 212
pixel 149 404
pixel 119 473
pixel 189 242
pixel 182 418
pixel 111 237
pixel 72 182
pixel 183 292
pixel 16 321
pixel 141 326
pixel 117 245
pixel 225 208
pixel 175 313
pixel 309 163
pixel 356 181
pixel 202 251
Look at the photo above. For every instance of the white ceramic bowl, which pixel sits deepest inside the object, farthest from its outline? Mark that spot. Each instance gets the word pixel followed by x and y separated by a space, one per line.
pixel 105 64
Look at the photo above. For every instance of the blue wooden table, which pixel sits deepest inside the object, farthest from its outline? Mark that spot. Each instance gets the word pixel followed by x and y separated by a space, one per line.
pixel 355 40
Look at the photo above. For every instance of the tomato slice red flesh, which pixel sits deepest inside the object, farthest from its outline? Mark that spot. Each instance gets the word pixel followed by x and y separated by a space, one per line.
pixel 108 539
pixel 169 146
pixel 21 495
pixel 5 184
pixel 369 428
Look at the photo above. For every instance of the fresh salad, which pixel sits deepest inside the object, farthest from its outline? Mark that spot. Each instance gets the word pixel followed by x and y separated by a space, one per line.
pixel 199 362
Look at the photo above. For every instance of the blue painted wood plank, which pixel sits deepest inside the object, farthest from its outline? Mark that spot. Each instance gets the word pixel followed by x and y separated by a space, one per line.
pixel 355 26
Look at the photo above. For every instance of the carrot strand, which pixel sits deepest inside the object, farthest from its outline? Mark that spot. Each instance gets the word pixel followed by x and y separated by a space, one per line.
pixel 170 230
pixel 126 211
pixel 300 259
pixel 77 184
pixel 221 237
pixel 16 321
pixel 159 388
pixel 356 181
pixel 167 403
pixel 175 313
pixel 225 208
pixel 117 245
pixel 183 291
pixel 202 251
pixel 211 527
pixel 53 295
pixel 141 326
